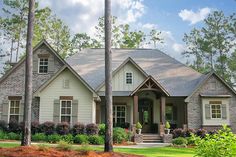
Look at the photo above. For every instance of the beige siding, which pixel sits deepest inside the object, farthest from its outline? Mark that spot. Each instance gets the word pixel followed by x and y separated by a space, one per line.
pixel 119 80
pixel 76 89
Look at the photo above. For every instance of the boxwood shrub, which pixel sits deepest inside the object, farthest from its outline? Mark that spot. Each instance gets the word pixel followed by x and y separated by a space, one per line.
pixel 180 141
pixel 63 128
pixel 81 139
pixel 53 138
pixel 47 128
pixel 13 136
pixel 119 135
pixel 78 128
pixel 92 129
pixel 67 138
pixel 39 137
pixel 95 139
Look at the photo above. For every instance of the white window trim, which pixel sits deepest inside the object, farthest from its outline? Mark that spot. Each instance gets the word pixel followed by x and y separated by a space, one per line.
pixel 132 78
pixel 39 65
pixel 116 111
pixel 220 111
pixel 9 109
pixel 70 113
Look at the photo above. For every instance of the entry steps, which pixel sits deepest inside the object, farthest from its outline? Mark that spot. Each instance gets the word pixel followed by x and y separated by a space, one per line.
pixel 152 138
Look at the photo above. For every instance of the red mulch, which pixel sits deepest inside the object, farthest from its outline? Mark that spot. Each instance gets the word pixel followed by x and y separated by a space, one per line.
pixel 34 151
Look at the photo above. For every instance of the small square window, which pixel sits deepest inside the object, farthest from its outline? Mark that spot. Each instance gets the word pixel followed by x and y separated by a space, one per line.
pixel 129 78
pixel 43 65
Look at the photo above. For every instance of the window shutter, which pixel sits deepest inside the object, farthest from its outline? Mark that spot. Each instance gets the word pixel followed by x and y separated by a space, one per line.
pixel 207 111
pixel 51 64
pixel 75 108
pixel 21 111
pixel 224 111
pixel 56 111
pixel 5 110
pixel 128 113
pixel 35 65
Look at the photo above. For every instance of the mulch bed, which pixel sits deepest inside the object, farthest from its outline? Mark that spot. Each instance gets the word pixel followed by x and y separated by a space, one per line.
pixel 34 151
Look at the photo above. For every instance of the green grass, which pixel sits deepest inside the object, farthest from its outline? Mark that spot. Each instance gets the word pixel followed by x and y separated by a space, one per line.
pixel 148 152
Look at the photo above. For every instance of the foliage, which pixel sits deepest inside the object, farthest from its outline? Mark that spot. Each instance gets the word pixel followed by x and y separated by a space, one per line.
pixel 53 138
pixel 221 144
pixel 67 138
pixel 13 136
pixel 39 137
pixel 63 145
pixel 167 126
pixel 201 133
pixel 48 127
pixel 3 135
pixel 3 125
pixel 78 128
pixel 119 135
pixel 102 130
pixel 92 129
pixel 35 127
pixel 178 133
pixel 81 139
pixel 14 126
pixel 180 141
pixel 138 126
pixel 63 128
pixel 43 147
pixel 95 139
pixel 190 140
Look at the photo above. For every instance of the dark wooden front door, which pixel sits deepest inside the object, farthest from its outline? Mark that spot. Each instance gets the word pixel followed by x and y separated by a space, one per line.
pixel 145 109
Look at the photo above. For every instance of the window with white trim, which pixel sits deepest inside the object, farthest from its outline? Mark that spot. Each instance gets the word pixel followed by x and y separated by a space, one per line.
pixel 119 112
pixel 129 78
pixel 43 65
pixel 66 111
pixel 216 111
pixel 14 110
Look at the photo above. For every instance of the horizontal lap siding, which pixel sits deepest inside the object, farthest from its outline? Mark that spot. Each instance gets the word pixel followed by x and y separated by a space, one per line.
pixel 76 89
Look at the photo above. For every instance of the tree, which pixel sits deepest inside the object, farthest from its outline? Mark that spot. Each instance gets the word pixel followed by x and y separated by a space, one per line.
pixel 155 37
pixel 26 134
pixel 108 79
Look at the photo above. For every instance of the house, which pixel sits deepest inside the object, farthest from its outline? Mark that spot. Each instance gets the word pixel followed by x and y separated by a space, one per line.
pixel 149 87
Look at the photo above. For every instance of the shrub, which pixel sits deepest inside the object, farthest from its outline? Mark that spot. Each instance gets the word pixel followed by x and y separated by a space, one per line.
pixel 190 140
pixel 35 127
pixel 138 126
pixel 92 129
pixel 102 130
pixel 14 126
pixel 13 136
pixel 178 133
pixel 188 132
pixel 180 141
pixel 81 139
pixel 78 128
pixel 47 128
pixel 201 133
pixel 3 135
pixel 119 135
pixel 3 125
pixel 95 139
pixel 167 126
pixel 39 137
pixel 67 138
pixel 63 128
pixel 221 144
pixel 63 145
pixel 53 138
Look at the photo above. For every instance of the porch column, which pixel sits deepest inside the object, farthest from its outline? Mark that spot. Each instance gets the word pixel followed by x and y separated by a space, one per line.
pixel 135 110
pixel 163 110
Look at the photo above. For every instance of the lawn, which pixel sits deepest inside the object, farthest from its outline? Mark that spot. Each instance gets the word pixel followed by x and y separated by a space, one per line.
pixel 149 152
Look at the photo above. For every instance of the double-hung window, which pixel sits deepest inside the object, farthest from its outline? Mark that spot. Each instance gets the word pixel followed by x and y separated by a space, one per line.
pixel 129 78
pixel 216 111
pixel 43 66
pixel 119 112
pixel 66 111
pixel 14 110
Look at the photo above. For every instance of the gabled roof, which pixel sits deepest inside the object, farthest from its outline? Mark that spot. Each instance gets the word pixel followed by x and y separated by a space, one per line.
pixel 128 60
pixel 41 88
pixel 204 80
pixel 175 77
pixel 42 42
pixel 156 83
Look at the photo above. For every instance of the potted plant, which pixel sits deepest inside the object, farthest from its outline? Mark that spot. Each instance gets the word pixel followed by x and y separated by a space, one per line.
pixel 138 128
pixel 167 128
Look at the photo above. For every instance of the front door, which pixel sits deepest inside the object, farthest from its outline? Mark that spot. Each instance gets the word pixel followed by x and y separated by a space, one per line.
pixel 145 109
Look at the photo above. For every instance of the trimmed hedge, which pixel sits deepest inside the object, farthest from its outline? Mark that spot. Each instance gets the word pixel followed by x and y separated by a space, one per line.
pixel 78 128
pixel 95 139
pixel 81 139
pixel 92 129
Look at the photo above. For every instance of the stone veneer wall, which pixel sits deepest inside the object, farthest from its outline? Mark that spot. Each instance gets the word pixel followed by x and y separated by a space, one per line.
pixel 14 84
pixel 195 107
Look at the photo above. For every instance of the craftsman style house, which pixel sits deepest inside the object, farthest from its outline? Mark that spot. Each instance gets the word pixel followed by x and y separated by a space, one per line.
pixel 148 86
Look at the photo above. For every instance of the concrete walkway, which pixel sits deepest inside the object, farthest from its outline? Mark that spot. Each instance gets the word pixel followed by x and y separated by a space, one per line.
pixel 139 145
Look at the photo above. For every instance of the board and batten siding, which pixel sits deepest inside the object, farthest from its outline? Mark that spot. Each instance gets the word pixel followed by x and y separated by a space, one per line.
pixel 119 79
pixel 76 89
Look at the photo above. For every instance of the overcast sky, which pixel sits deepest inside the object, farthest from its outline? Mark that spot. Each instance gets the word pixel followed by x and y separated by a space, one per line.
pixel 172 17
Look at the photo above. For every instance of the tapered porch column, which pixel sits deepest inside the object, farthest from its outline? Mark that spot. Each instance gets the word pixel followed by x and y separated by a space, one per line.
pixel 135 110
pixel 163 110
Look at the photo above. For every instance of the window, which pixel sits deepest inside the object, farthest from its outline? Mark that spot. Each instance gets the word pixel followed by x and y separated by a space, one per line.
pixel 66 84
pixel 14 110
pixel 129 78
pixel 215 111
pixel 171 113
pixel 66 108
pixel 119 112
pixel 43 65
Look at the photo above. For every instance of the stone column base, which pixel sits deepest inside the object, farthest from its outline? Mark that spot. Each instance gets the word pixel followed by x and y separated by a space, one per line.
pixel 138 138
pixel 167 138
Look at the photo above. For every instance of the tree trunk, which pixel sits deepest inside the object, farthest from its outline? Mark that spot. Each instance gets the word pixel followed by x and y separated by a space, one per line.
pixel 108 79
pixel 26 135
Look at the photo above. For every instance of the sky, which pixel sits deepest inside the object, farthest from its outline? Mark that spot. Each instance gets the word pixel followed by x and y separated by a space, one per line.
pixel 172 17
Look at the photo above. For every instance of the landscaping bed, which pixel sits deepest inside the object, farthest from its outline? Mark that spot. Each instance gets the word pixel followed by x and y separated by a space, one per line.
pixel 35 151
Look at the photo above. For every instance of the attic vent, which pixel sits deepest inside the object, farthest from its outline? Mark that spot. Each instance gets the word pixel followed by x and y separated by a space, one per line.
pixel 66 83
